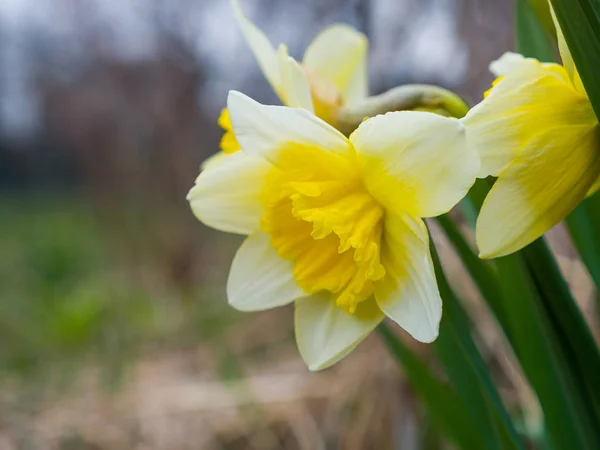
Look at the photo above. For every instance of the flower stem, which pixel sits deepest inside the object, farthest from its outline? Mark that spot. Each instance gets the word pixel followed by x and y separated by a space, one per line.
pixel 414 97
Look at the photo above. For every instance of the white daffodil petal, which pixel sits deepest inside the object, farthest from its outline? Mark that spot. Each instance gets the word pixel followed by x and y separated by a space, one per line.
pixel 259 279
pixel 339 54
pixel 545 183
pixel 511 62
pixel 226 195
pixel 295 86
pixel 265 54
pixel 415 162
pixel 517 108
pixel 266 131
pixel 409 294
pixel 325 333
pixel 213 160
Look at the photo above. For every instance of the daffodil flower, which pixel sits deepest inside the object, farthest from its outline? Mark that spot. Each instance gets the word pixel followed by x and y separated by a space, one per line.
pixel 334 224
pixel 333 71
pixel 537 133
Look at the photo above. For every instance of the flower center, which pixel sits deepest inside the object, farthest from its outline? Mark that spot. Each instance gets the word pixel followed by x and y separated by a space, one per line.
pixel 325 95
pixel 328 225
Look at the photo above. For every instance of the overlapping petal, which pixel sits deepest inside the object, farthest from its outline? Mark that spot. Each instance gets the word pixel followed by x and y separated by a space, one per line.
pixel 415 162
pixel 523 104
pixel 259 279
pixel 325 333
pixel 339 54
pixel 295 87
pixel 259 44
pixel 218 203
pixel 514 62
pixel 551 175
pixel 229 143
pixel 266 131
pixel 409 294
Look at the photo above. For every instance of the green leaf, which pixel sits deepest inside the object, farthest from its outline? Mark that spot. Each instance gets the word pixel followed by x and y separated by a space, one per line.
pixel 444 406
pixel 542 11
pixel 468 372
pixel 532 39
pixel 572 330
pixel 543 360
pixel 485 278
pixel 583 227
pixel 580 24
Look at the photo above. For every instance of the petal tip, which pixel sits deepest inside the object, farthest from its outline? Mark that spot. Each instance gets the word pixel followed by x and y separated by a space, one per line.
pixel 485 255
pixel 427 336
pixel 316 367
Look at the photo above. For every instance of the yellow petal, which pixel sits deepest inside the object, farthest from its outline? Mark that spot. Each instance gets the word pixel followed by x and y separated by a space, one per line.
pixel 295 87
pixel 517 108
pixel 565 55
pixel 229 143
pixel 415 162
pixel 259 44
pixel 326 333
pixel 217 199
pixel 266 131
pixel 259 279
pixel 551 175
pixel 595 187
pixel 339 54
pixel 409 294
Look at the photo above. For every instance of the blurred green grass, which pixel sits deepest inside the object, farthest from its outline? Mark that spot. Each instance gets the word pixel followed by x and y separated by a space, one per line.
pixel 80 286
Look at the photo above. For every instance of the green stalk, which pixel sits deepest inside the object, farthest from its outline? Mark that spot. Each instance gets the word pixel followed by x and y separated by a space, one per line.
pixel 532 40
pixel 467 370
pixel 572 330
pixel 543 359
pixel 583 228
pixel 580 23
pixel 485 278
pixel 444 406
pixel 529 326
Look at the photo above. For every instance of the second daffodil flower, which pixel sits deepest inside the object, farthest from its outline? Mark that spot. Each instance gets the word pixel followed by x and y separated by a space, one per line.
pixel 537 133
pixel 333 72
pixel 334 224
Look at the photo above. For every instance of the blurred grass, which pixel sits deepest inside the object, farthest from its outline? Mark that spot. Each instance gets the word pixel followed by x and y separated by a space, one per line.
pixel 73 293
pixel 114 331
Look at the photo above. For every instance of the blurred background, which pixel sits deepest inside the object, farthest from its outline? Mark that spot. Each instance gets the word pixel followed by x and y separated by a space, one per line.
pixel 114 327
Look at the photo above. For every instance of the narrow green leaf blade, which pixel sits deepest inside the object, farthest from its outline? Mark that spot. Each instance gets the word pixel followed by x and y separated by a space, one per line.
pixel 480 271
pixel 468 372
pixel 446 409
pixel 580 23
pixel 572 330
pixel 534 341
pixel 584 228
pixel 532 39
pixel 543 360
